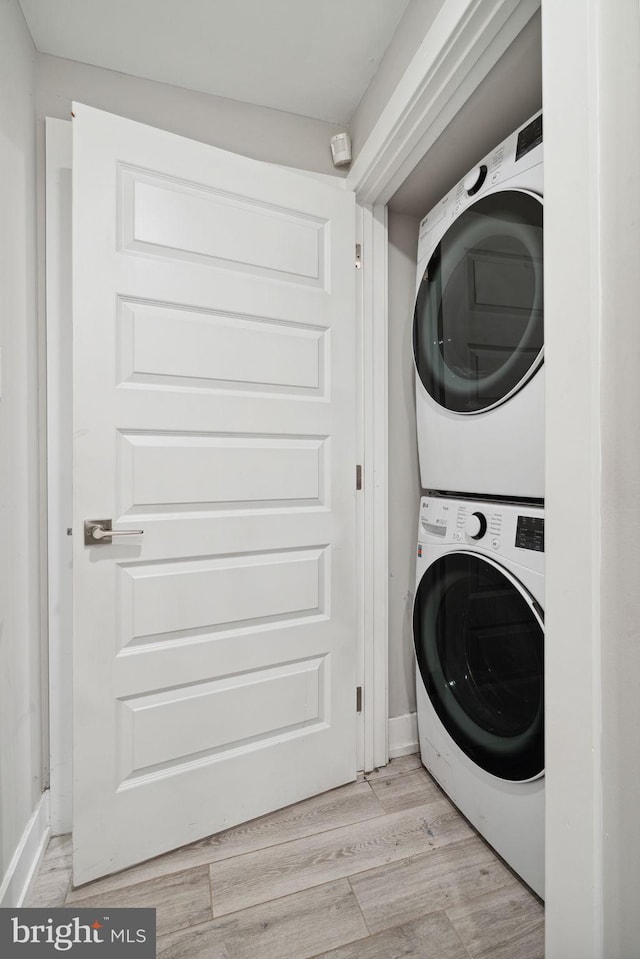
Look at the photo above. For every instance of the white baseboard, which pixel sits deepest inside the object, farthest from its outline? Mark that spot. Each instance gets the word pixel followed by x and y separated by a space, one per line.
pixel 403 735
pixel 27 857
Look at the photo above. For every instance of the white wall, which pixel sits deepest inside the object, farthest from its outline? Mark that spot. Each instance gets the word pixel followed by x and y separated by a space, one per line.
pixel 258 132
pixel 404 477
pixel 411 31
pixel 20 669
pixel 591 82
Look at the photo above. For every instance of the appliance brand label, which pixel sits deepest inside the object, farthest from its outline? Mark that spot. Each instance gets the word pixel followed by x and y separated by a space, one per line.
pixel 33 933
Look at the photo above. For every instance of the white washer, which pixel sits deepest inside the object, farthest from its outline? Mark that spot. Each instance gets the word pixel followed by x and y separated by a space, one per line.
pixel 478 328
pixel 479 638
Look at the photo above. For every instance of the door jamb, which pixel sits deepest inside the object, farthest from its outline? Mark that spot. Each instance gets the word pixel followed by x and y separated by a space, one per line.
pixel 58 150
pixel 373 578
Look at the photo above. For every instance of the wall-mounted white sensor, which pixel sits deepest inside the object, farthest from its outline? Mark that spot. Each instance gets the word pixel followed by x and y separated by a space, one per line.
pixel 341 149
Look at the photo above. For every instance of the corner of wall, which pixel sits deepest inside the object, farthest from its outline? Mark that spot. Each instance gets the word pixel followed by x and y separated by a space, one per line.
pixel 22 807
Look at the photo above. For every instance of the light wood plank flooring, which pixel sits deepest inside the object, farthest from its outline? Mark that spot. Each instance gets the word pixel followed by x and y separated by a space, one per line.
pixel 381 868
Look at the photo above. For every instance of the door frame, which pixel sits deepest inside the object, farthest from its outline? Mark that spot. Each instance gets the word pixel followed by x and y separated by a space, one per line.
pixel 463 43
pixel 58 302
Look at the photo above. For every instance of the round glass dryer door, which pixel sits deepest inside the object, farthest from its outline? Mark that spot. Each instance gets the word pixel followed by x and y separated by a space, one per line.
pixel 479 318
pixel 480 651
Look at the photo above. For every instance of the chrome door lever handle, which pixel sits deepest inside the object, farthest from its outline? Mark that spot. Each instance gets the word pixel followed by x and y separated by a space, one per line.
pixel 99 531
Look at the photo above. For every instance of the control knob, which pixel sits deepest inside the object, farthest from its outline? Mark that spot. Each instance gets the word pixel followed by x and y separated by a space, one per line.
pixel 474 180
pixel 476 525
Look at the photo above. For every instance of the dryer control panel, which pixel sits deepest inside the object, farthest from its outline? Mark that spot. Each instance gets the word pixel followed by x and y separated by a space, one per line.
pixel 520 152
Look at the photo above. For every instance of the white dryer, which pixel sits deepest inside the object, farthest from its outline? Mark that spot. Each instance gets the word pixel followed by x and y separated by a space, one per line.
pixel 479 640
pixel 478 328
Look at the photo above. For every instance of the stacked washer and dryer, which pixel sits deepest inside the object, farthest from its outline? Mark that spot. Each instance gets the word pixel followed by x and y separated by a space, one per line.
pixel 478 610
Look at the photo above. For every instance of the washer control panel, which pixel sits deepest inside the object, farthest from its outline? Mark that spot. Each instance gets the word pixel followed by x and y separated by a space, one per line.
pixel 507 529
pixel 530 533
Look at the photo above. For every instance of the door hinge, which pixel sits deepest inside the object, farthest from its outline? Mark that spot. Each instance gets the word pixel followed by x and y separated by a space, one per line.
pixel 358 699
pixel 358 256
pixel 358 477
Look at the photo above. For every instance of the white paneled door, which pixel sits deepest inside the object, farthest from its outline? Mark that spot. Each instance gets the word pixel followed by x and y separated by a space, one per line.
pixel 214 410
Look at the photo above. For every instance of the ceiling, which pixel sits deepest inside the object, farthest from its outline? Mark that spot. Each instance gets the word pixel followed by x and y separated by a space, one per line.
pixel 314 58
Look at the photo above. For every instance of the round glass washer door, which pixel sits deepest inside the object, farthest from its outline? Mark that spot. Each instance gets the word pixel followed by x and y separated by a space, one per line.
pixel 480 649
pixel 478 326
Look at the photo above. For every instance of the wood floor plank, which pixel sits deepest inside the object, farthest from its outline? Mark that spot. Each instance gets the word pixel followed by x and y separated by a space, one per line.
pixel 436 880
pixel 395 767
pixel 350 804
pixel 280 870
pixel 414 788
pixel 430 938
pixel 502 924
pixel 54 877
pixel 196 942
pixel 181 900
pixel 300 883
pixel 300 926
pixel 355 802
